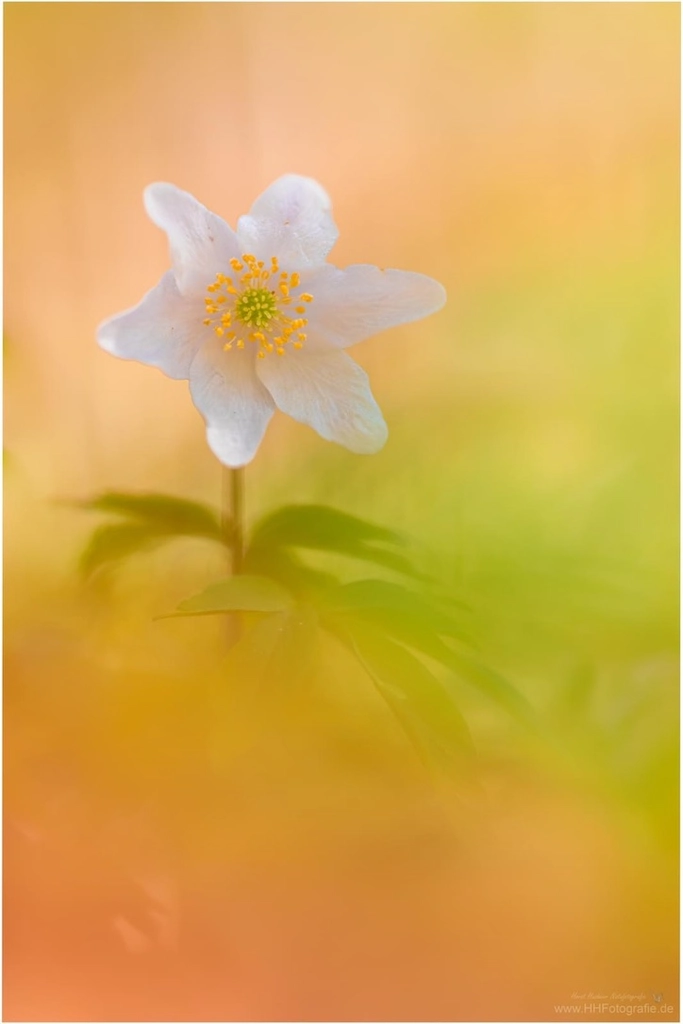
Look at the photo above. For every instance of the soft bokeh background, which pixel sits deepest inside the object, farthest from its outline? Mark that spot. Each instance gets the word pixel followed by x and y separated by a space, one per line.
pixel 527 155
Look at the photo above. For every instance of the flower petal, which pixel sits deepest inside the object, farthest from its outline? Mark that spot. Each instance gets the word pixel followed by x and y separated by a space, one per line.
pixel 329 392
pixel 236 406
pixel 163 330
pixel 201 242
pixel 292 220
pixel 352 304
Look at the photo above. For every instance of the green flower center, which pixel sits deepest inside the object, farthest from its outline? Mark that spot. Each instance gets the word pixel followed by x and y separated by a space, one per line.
pixel 256 307
pixel 245 301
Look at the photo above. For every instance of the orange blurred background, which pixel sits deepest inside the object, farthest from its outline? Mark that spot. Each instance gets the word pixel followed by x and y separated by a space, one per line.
pixel 527 156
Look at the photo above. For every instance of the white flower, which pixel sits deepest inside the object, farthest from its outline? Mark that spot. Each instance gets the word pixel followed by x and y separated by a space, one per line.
pixel 257 320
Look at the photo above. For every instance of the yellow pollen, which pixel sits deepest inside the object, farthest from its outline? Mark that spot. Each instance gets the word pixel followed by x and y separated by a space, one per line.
pixel 243 309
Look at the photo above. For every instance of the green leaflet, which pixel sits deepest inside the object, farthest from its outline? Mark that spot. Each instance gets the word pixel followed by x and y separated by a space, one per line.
pixel 149 520
pixel 384 598
pixel 316 527
pixel 424 708
pixel 162 511
pixel 237 594
pixel 114 541
pixel 285 567
pixel 493 685
pixel 411 619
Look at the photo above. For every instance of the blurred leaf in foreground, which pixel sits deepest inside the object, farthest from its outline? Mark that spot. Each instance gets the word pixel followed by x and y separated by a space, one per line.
pixel 287 568
pixel 424 708
pixel 409 617
pixel 167 513
pixel 149 520
pixel 259 679
pixel 317 527
pixel 114 541
pixel 390 627
pixel 237 594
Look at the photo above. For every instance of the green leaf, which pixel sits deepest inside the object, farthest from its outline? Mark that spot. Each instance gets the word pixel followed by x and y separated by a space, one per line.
pixel 288 569
pixel 317 527
pixel 412 619
pixel 424 708
pixel 493 685
pixel 114 541
pixel 382 598
pixel 237 594
pixel 168 515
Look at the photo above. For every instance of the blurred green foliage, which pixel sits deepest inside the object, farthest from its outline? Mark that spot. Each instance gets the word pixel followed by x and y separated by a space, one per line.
pixel 389 627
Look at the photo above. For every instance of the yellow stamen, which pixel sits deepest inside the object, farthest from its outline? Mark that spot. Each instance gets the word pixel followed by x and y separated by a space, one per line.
pixel 246 301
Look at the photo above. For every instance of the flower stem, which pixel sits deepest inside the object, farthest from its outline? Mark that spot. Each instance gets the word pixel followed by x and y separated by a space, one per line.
pixel 232 525
pixel 232 518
